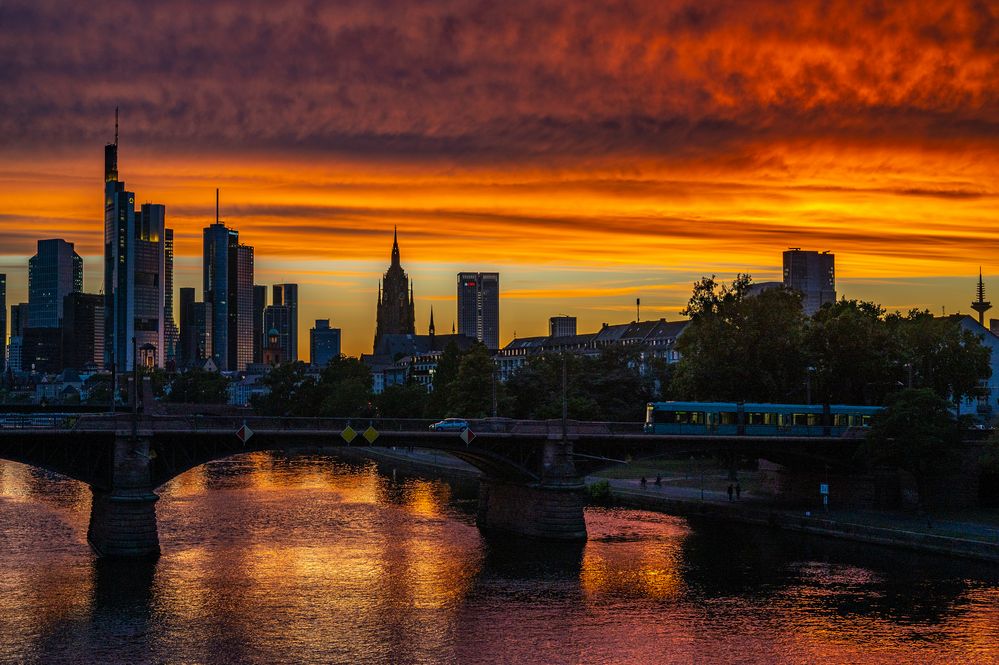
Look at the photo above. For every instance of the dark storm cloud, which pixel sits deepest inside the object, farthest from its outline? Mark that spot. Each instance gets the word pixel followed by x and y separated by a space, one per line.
pixel 497 80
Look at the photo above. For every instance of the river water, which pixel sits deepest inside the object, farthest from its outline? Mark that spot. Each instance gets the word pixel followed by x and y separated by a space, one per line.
pixel 306 559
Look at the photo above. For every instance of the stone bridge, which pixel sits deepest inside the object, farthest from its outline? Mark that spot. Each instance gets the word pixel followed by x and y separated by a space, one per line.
pixel 532 471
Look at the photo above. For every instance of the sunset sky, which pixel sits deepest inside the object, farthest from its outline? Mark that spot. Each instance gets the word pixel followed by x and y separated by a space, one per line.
pixel 591 152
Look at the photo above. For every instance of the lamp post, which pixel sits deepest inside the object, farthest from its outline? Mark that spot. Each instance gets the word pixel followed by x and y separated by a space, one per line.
pixel 908 368
pixel 808 384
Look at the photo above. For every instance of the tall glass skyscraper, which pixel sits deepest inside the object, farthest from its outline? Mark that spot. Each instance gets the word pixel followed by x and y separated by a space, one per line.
pixel 54 272
pixel 478 307
pixel 228 287
pixel 287 295
pixel 134 272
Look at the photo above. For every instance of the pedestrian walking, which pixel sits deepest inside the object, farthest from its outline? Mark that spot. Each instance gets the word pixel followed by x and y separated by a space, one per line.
pixel 642 482
pixel 738 491
pixel 659 480
pixel 730 490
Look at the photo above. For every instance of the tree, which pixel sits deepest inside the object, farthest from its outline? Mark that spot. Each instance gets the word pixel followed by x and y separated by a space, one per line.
pixel 741 347
pixel 853 353
pixel 916 432
pixel 344 388
pixel 196 386
pixel 472 390
pixel 446 373
pixel 406 401
pixel 292 392
pixel 942 355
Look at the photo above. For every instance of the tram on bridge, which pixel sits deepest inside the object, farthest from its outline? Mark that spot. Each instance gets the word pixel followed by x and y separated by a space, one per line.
pixel 756 419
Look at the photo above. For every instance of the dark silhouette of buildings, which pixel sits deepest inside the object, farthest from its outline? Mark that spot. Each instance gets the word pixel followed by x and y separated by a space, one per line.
pixel 324 343
pixel 813 274
pixel 259 303
pixel 286 295
pixel 54 272
pixel 195 330
pixel 83 331
pixel 396 314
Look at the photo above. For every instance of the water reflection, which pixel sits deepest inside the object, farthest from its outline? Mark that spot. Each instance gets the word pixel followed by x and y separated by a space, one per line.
pixel 306 558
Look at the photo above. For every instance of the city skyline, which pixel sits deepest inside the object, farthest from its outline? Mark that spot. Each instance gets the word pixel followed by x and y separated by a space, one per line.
pixel 598 165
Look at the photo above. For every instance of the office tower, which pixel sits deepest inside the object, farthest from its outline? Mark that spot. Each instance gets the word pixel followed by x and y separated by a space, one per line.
pixel 134 273
pixel 562 326
pixel 18 324
pixel 3 321
pixel 53 273
pixel 396 314
pixel 259 303
pixel 324 343
pixel 478 307
pixel 83 331
pixel 171 333
pixel 287 295
pixel 813 274
pixel 228 287
pixel 195 330
pixel 277 323
pixel 41 350
pixel 241 316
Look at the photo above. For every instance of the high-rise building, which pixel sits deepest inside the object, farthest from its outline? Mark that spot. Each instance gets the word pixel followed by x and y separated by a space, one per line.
pixel 478 307
pixel 83 331
pixel 324 343
pixel 171 333
pixel 3 321
pixel 53 273
pixel 241 315
pixel 41 350
pixel 287 295
pixel 813 274
pixel 259 303
pixel 228 287
pixel 195 330
pixel 396 313
pixel 134 273
pixel 277 323
pixel 19 318
pixel 562 326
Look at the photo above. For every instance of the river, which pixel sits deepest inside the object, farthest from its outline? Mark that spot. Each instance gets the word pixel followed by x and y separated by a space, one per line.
pixel 270 558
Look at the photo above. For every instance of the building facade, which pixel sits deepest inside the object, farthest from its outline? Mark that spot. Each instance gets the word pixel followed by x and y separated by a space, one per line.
pixel 171 331
pixel 259 303
pixel 813 274
pixel 228 288
pixel 277 323
pixel 561 326
pixel 478 307
pixel 54 272
pixel 324 343
pixel 241 316
pixel 287 295
pixel 396 312
pixel 83 331
pixel 3 322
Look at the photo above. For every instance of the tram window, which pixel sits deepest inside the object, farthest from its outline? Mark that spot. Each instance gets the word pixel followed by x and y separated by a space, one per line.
pixel 866 421
pixel 728 418
pixel 666 417
pixel 800 419
pixel 841 420
pixel 761 418
pixel 814 419
pixel 856 421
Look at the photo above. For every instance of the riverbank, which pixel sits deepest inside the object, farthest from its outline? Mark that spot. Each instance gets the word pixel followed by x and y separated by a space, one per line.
pixel 950 537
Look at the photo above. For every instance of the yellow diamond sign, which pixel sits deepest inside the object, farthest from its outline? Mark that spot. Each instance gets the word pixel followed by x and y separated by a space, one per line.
pixel 370 434
pixel 348 434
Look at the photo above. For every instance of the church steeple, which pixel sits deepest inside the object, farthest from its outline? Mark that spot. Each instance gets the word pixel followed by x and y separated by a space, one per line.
pixel 395 247
pixel 396 298
pixel 431 321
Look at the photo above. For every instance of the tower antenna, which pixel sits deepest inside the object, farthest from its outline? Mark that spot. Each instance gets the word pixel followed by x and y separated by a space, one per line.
pixel 216 205
pixel 116 126
pixel 981 305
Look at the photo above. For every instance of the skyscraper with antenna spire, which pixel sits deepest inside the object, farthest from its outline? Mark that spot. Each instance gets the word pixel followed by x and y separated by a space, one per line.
pixel 135 273
pixel 981 305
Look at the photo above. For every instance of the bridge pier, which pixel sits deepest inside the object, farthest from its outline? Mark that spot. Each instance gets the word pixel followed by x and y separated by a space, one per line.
pixel 551 509
pixel 123 520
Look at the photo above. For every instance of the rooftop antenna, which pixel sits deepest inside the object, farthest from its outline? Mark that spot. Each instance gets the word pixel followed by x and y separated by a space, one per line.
pixel 216 205
pixel 116 126
pixel 638 310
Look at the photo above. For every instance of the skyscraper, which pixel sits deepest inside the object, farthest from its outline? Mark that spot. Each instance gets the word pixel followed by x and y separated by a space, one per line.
pixel 259 303
pixel 324 343
pixel 171 333
pixel 83 331
pixel 228 287
pixel 396 314
pixel 134 272
pixel 54 272
pixel 478 307
pixel 813 274
pixel 287 294
pixel 277 323
pixel 3 321
pixel 195 330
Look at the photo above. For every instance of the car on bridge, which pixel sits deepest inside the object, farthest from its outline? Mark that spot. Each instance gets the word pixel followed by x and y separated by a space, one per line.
pixel 450 425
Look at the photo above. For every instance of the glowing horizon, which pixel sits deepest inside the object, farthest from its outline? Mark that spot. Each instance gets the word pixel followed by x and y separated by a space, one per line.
pixel 591 155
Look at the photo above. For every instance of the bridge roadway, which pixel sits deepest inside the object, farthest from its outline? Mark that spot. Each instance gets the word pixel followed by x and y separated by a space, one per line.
pixel 532 471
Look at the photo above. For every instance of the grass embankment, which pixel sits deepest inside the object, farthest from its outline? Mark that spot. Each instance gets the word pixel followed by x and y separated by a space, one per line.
pixel 684 473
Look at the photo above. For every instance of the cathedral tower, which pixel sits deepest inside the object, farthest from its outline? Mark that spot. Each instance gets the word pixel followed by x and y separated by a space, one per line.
pixel 395 300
